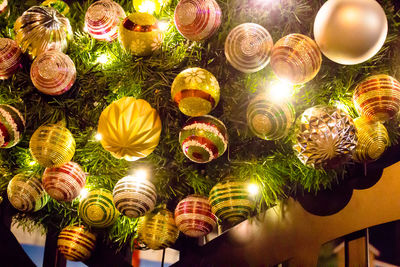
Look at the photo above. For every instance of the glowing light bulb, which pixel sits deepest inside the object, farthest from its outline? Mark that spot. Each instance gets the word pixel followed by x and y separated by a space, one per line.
pixel 98 136
pixel 163 25
pixel 141 175
pixel 103 59
pixel 279 90
pixel 147 7
pixel 252 189
pixel 84 193
pixel 32 163
pixel 341 105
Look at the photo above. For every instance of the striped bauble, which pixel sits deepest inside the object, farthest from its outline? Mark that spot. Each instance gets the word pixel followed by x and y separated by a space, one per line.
pixel 76 243
pixel 64 183
pixel 4 8
pixel 26 193
pixel 134 196
pixel 97 209
pixel 12 126
pixel 193 216
pixel 10 57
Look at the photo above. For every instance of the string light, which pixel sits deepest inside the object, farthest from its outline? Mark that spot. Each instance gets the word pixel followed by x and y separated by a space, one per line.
pixel 84 193
pixel 147 7
pixel 32 163
pixel 279 90
pixel 103 59
pixel 98 136
pixel 252 189
pixel 163 25
pixel 140 174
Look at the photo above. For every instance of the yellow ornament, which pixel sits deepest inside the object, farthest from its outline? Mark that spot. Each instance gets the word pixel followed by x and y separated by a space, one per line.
pixel 58 5
pixel 76 243
pixel 149 6
pixel 130 128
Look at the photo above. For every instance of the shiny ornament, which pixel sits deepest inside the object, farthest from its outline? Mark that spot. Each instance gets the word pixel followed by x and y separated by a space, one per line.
pixel 53 73
pixel 64 183
pixel 102 20
pixel 140 35
pixel 196 91
pixel 248 47
pixel 130 128
pixel 350 31
pixel 42 28
pixel 3 7
pixel 52 145
pixel 326 137
pixel 378 97
pixel 197 20
pixel 193 216
pixel 10 58
pixel 12 126
pixel 149 6
pixel 58 5
pixel 76 243
pixel 97 209
pixel 296 58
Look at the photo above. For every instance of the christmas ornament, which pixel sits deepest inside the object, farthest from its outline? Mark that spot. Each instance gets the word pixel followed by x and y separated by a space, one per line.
pixel 378 97
pixel 12 126
pixel 196 91
pixel 203 139
pixel 140 35
pixel 197 20
pixel 42 28
pixel 102 19
pixel 193 216
pixel 296 58
pixel 149 6
pixel 10 58
pixel 53 73
pixel 64 183
pixel 231 202
pixel 25 193
pixel 3 7
pixel 130 128
pixel 58 5
pixel 359 38
pixel 157 230
pixel 248 47
pixel 52 145
pixel 134 196
pixel 97 209
pixel 76 243
pixel 326 137
pixel 268 119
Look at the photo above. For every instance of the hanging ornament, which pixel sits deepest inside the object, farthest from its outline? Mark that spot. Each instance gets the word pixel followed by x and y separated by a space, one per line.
pixel 3 8
pixel 248 47
pixel 157 230
pixel 97 209
pixel 130 128
pixel 193 216
pixel 12 126
pixel 25 193
pixel 58 5
pixel 378 97
pixel 64 183
pixel 140 35
pixel 326 137
pixel 52 145
pixel 196 91
pixel 197 20
pixel 296 58
pixel 149 6
pixel 102 19
pixel 10 58
pixel 76 243
pixel 53 73
pixel 42 28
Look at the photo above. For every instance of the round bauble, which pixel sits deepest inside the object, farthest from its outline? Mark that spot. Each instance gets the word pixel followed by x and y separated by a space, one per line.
pixel 4 7
pixel 10 58
pixel 12 126
pixel 76 243
pixel 350 31
pixel 196 91
pixel 58 5
pixel 130 128
pixel 203 139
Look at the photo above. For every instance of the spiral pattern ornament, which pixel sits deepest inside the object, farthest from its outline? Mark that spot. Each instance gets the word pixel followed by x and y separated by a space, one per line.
pixel 76 243
pixel 3 7
pixel 10 58
pixel 12 126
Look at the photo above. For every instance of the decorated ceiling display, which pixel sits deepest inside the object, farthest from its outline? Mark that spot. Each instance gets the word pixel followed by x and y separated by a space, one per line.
pixel 140 119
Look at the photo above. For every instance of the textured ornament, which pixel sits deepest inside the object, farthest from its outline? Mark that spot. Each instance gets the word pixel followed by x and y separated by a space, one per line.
pixel 97 209
pixel 362 27
pixel 53 73
pixel 130 128
pixel 197 20
pixel 12 126
pixel 25 193
pixel 64 183
pixel 378 97
pixel 10 58
pixel 102 20
pixel 42 28
pixel 296 58
pixel 157 230
pixel 58 5
pixel 76 243
pixel 134 196
pixel 203 139
pixel 52 145
pixel 248 47
pixel 196 91
pixel 326 137
pixel 3 7
pixel 193 216
pixel 140 35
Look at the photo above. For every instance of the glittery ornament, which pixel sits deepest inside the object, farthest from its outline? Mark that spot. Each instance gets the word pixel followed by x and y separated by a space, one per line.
pixel 3 7
pixel 76 243
pixel 12 126
pixel 10 58
pixel 58 5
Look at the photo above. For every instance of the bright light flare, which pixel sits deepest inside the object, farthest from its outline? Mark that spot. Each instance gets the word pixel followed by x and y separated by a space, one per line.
pixel 163 25
pixel 147 7
pixel 98 136
pixel 341 106
pixel 84 193
pixel 252 189
pixel 32 163
pixel 279 91
pixel 103 59
pixel 140 175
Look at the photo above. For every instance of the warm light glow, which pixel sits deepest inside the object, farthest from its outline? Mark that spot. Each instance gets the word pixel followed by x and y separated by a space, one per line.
pixel 147 7
pixel 103 59
pixel 98 136
pixel 84 193
pixel 279 90
pixel 140 174
pixel 32 163
pixel 163 25
pixel 252 189
pixel 341 106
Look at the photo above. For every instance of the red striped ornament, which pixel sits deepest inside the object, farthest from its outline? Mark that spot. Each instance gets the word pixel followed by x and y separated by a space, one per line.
pixel 76 243
pixel 10 58
pixel 12 126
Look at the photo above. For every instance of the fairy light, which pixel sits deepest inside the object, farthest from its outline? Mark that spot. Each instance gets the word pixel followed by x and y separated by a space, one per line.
pixel 140 174
pixel 147 7
pixel 84 193
pixel 98 136
pixel 279 90
pixel 252 189
pixel 103 59
pixel 163 25
pixel 32 163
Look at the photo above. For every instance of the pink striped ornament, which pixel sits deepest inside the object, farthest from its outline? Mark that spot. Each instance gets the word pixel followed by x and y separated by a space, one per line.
pixel 10 58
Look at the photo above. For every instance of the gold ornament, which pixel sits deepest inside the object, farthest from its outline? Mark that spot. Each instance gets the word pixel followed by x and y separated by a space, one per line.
pixel 58 5
pixel 76 243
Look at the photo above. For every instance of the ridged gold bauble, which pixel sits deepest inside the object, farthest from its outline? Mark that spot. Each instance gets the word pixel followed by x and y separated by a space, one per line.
pixel 12 126
pixel 350 31
pixel 76 243
pixel 58 5
pixel 10 58
pixel 130 128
